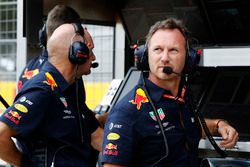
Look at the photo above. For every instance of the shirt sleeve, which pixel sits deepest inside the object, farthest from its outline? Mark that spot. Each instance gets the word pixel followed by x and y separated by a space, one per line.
pixel 30 70
pixel 27 112
pixel 119 137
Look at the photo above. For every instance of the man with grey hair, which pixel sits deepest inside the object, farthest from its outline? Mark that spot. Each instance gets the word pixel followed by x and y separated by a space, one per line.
pixel 153 125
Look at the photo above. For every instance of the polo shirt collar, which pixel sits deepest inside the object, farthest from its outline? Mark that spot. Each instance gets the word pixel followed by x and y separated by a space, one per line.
pixel 155 92
pixel 59 79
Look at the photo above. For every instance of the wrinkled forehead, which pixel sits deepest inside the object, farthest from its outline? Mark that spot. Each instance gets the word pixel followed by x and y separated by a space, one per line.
pixel 173 35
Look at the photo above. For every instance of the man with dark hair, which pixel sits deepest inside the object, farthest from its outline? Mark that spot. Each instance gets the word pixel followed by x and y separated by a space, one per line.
pixel 59 15
pixel 49 123
pixel 153 125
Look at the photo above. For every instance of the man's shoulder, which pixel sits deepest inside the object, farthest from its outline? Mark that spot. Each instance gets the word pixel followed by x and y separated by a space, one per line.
pixel 38 61
pixel 40 81
pixel 32 68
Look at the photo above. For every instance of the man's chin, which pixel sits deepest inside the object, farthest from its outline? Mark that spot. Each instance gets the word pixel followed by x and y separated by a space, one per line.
pixel 87 72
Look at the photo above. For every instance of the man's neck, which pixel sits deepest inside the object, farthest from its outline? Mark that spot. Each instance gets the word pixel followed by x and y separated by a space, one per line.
pixel 169 84
pixel 67 70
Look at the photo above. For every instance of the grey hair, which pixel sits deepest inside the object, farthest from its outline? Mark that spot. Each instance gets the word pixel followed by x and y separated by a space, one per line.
pixel 170 23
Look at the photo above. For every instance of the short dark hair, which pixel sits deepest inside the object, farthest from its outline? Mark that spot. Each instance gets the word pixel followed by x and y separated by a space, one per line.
pixel 59 15
pixel 170 23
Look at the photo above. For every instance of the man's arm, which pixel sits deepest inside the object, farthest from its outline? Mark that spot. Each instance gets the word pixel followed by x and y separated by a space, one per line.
pixel 102 118
pixel 8 151
pixel 221 127
pixel 111 165
pixel 97 139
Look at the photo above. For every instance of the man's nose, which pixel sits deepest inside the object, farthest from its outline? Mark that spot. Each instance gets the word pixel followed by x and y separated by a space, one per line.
pixel 93 56
pixel 165 56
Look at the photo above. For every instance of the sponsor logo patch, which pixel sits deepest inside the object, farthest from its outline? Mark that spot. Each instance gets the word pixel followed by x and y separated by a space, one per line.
pixel 110 152
pixel 113 136
pixel 140 97
pixel 63 100
pixel 160 113
pixel 21 108
pixel 165 127
pixel 112 125
pixel 111 146
pixel 50 81
pixel 69 117
pixel 14 116
pixel 67 111
pixel 24 99
pixel 29 74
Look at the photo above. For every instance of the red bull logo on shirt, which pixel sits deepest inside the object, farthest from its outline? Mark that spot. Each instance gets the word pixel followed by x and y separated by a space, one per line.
pixel 110 152
pixel 140 97
pixel 110 149
pixel 13 116
pixel 111 146
pixel 50 81
pixel 29 74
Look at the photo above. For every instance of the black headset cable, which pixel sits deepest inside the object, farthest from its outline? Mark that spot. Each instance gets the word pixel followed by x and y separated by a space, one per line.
pixel 195 108
pixel 4 102
pixel 158 120
pixel 78 107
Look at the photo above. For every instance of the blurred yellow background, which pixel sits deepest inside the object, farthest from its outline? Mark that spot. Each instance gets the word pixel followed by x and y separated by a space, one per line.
pixel 94 93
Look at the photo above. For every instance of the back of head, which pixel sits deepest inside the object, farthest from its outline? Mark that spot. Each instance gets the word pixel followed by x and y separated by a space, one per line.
pixel 59 15
pixel 59 43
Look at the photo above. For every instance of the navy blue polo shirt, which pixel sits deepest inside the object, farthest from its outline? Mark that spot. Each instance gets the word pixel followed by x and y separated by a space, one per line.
pixel 45 115
pixel 132 136
pixel 32 68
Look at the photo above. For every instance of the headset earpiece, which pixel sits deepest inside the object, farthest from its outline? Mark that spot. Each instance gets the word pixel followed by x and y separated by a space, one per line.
pixel 141 58
pixel 42 34
pixel 193 59
pixel 79 51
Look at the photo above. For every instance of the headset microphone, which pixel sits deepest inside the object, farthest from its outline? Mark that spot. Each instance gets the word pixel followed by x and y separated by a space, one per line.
pixel 94 65
pixel 169 70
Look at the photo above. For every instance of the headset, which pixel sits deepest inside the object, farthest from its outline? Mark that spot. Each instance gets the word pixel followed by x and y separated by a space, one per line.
pixel 79 51
pixel 141 59
pixel 42 34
